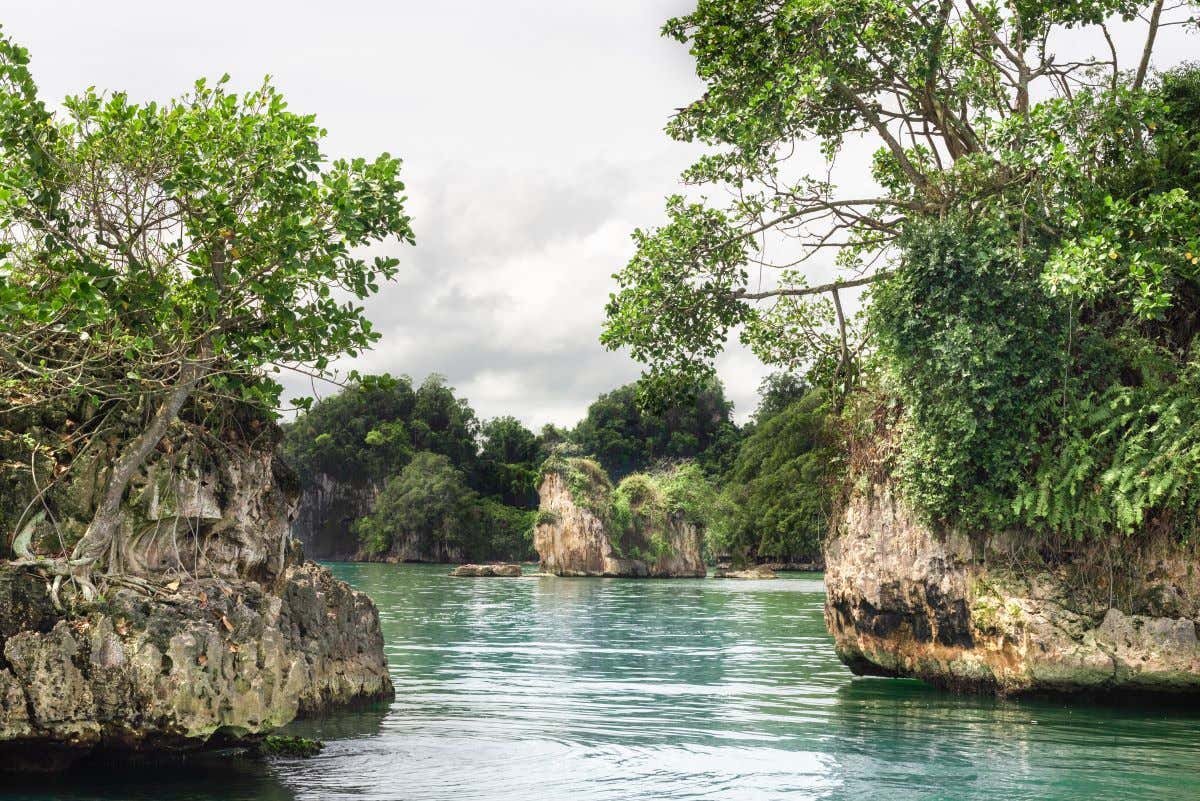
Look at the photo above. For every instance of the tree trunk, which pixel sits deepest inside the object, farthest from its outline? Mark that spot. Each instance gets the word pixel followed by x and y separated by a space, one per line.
pixel 97 541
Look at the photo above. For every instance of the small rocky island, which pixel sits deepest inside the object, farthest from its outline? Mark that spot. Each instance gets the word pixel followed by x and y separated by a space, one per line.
pixel 650 525
pixel 216 632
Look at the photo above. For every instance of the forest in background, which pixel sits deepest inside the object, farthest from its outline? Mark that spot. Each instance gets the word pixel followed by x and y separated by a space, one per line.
pixel 448 479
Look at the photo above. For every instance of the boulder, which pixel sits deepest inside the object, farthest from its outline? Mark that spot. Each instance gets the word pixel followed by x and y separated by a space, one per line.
pixel 755 572
pixel 904 599
pixel 487 571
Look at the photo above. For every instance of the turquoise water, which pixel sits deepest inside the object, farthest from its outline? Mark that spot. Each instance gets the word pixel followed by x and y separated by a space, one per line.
pixel 589 689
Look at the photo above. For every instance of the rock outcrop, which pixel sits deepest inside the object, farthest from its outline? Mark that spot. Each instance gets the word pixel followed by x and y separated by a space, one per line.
pixel 214 630
pixel 756 572
pixel 487 571
pixel 959 612
pixel 575 536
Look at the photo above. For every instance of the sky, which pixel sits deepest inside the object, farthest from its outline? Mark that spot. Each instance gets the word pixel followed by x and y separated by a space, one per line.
pixel 531 132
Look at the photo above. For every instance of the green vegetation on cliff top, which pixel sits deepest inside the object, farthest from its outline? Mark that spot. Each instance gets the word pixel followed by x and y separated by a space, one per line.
pixel 1025 354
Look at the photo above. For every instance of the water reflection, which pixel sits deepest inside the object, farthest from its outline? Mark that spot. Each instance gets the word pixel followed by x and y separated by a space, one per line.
pixel 196 778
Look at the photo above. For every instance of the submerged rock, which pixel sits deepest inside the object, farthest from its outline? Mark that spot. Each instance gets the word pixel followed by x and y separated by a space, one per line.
pixel 574 535
pixel 215 631
pixel 905 600
pixel 277 745
pixel 487 571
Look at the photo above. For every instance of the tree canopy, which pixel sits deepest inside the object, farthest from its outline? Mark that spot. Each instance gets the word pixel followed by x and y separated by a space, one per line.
pixel 161 256
pixel 777 499
pixel 1029 248
pixel 627 437
pixel 964 100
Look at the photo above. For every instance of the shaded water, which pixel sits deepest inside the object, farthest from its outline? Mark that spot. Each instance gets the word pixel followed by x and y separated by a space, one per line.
pixel 588 689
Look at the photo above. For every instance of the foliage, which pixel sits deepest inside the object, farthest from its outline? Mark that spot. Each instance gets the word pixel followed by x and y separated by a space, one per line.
pixel 625 436
pixel 430 505
pixel 428 502
pixel 508 462
pixel 1121 458
pixel 978 349
pixel 644 505
pixel 777 392
pixel 502 532
pixel 372 428
pixel 778 498
pixel 944 88
pixel 1048 375
pixel 1032 244
pixel 168 259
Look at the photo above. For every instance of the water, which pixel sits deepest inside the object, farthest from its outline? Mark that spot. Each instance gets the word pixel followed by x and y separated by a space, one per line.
pixel 602 689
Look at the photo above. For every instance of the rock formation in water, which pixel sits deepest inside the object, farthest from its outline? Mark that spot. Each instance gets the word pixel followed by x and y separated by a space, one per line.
pixel 487 571
pixel 578 532
pixel 755 572
pixel 214 630
pixel 969 614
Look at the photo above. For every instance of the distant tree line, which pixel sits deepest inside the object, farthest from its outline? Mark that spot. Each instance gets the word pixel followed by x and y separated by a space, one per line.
pixel 459 484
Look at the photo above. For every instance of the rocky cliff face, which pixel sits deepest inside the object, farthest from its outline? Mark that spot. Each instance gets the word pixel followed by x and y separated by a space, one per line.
pixel 904 600
pixel 214 631
pixel 573 540
pixel 327 509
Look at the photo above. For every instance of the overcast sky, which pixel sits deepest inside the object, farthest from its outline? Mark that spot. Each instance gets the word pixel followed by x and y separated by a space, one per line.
pixel 532 137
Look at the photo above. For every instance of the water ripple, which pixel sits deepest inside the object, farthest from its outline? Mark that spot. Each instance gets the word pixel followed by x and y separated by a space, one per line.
pixel 597 689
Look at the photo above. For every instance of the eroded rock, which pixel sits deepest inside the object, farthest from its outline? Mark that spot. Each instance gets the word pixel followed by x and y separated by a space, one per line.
pixel 573 538
pixel 755 572
pixel 905 600
pixel 487 571
pixel 237 638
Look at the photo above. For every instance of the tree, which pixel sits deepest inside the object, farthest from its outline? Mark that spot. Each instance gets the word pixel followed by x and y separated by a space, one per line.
pixel 158 258
pixel 778 391
pixel 950 90
pixel 371 429
pixel 428 501
pixel 778 496
pixel 508 462
pixel 360 434
pixel 1031 245
pixel 627 437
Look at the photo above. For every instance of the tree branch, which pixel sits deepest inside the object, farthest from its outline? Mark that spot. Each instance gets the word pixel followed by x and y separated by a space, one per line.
pixel 742 294
pixel 1144 66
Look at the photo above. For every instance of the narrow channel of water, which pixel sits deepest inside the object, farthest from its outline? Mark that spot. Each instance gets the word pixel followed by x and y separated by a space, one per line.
pixel 589 689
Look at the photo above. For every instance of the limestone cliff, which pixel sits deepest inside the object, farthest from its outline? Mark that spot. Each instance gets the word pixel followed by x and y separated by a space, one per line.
pixel 576 536
pixel 971 613
pixel 214 630
pixel 326 512
pixel 327 509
